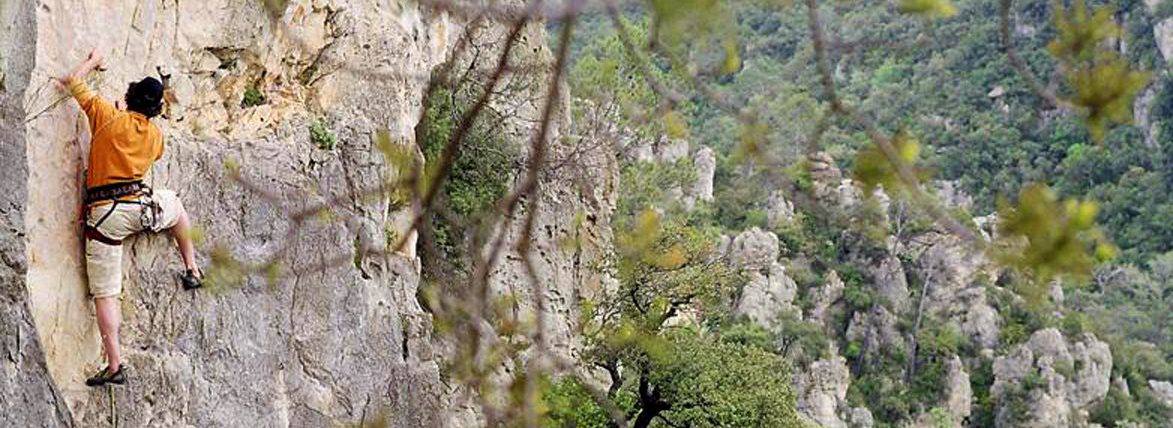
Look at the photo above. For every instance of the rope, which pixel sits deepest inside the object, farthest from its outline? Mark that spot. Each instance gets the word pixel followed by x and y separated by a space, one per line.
pixel 113 407
pixel 96 82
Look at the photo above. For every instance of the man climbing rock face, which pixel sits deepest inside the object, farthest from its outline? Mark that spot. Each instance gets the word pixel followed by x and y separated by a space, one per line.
pixel 124 144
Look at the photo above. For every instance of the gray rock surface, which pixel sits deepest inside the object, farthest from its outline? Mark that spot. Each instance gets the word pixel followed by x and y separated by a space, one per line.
pixel 1058 380
pixel 876 329
pixel 30 398
pixel 779 211
pixel 334 338
pixel 826 177
pixel 1163 390
pixel 826 295
pixel 670 149
pixel 954 278
pixel 859 417
pixel 821 390
pixel 890 283
pixel 754 249
pixel 705 162
pixel 1163 33
pixel 952 195
pixel 765 297
pixel 958 393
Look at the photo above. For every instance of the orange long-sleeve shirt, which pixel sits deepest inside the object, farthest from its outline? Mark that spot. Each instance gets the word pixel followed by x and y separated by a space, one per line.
pixel 123 144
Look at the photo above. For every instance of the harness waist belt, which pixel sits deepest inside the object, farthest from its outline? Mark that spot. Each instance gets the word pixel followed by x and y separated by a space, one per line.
pixel 95 235
pixel 113 191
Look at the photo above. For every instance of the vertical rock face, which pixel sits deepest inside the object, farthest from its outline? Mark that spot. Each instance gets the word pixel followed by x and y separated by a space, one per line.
pixel 769 291
pixel 1051 381
pixel 958 393
pixel 764 297
pixel 779 211
pixel 825 296
pixel 951 271
pixel 754 249
pixel 706 165
pixel 1163 390
pixel 822 389
pixel 29 396
pixel 332 338
pixel 1163 32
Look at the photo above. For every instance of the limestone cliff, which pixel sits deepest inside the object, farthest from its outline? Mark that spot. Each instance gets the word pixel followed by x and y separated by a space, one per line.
pixel 321 343
pixel 30 396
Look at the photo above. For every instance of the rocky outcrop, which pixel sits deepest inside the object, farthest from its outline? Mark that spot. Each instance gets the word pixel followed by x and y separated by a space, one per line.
pixel 670 149
pixel 705 162
pixel 824 297
pixel 954 288
pixel 821 389
pixel 754 249
pixel 766 296
pixel 30 398
pixel 958 393
pixel 875 329
pixel 891 283
pixel 769 292
pixel 1051 380
pixel 951 194
pixel 779 211
pixel 336 335
pixel 1163 33
pixel 826 178
pixel 1163 390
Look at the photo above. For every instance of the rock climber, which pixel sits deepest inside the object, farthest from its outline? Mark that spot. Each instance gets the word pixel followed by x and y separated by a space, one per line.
pixel 123 146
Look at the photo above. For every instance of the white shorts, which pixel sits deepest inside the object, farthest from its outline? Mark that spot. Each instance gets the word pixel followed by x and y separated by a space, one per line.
pixel 104 261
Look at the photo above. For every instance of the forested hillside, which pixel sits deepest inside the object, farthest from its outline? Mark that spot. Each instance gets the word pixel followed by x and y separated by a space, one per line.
pixel 740 153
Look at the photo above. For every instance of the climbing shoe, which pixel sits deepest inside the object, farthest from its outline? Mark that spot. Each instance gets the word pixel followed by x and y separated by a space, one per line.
pixel 190 280
pixel 104 377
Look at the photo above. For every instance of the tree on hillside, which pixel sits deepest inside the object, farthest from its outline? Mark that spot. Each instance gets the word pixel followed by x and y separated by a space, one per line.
pixel 649 336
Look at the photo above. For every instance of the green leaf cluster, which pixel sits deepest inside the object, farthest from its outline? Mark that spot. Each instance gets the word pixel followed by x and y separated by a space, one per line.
pixel 1048 238
pixel 1102 82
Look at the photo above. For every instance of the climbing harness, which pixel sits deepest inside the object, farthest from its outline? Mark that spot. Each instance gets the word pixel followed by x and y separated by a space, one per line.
pixel 149 217
pixel 113 191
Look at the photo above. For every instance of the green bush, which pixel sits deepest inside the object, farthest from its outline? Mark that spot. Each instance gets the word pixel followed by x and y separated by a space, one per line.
pixel 570 404
pixel 252 97
pixel 321 135
pixel 981 379
pixel 747 333
pixel 480 174
pixel 802 341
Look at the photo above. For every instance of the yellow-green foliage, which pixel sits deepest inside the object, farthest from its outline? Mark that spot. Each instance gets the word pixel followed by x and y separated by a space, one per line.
pixel 677 22
pixel 873 168
pixel 716 384
pixel 1079 33
pixel 1102 83
pixel 663 266
pixel 1105 88
pixel 1049 238
pixel 928 8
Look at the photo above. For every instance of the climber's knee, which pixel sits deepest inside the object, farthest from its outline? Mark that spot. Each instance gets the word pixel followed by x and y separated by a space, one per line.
pixel 170 209
pixel 104 268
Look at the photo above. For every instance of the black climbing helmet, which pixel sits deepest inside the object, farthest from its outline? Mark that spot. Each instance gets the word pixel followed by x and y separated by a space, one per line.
pixel 145 96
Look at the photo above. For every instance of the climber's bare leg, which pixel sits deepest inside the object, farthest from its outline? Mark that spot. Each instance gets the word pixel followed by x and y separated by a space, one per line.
pixel 109 319
pixel 182 234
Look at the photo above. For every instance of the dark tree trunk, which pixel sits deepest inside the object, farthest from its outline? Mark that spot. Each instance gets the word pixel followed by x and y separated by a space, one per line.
pixel 650 403
pixel 645 417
